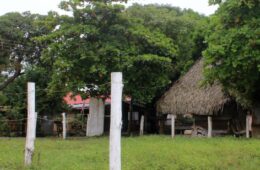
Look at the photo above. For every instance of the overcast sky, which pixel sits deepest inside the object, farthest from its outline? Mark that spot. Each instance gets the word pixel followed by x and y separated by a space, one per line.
pixel 43 6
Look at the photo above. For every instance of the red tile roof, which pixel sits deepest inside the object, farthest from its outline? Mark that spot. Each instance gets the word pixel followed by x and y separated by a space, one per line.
pixel 73 100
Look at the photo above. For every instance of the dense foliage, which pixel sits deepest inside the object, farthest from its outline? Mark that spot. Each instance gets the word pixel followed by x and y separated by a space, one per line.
pixel 233 55
pixel 17 45
pixel 103 37
pixel 152 45
pixel 21 63
pixel 186 28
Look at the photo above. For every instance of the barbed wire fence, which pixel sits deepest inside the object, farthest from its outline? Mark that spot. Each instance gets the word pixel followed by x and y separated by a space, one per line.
pixel 17 127
pixel 76 120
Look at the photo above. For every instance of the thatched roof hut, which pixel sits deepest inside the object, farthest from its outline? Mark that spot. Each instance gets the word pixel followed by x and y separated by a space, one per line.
pixel 187 96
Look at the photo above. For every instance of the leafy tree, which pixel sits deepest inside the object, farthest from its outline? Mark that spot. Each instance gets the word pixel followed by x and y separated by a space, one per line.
pixel 16 31
pixel 21 61
pixel 233 56
pixel 186 28
pixel 100 39
pixel 19 48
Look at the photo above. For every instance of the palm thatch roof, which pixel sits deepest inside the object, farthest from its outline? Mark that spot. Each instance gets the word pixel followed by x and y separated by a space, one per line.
pixel 187 96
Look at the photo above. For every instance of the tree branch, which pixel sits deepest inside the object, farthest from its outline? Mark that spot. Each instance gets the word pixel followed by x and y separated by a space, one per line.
pixel 10 79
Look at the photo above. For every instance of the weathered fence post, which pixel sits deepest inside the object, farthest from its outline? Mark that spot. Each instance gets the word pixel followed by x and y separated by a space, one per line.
pixel 173 126
pixel 116 121
pixel 31 124
pixel 209 126
pixel 64 124
pixel 142 125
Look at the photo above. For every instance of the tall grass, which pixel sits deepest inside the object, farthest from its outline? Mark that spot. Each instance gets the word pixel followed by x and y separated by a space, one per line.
pixel 138 153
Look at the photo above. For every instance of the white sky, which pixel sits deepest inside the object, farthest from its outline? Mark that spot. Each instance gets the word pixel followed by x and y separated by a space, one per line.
pixel 43 6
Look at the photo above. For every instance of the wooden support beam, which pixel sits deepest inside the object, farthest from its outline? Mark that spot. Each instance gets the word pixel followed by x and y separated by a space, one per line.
pixel 209 126
pixel 173 125
pixel 142 126
pixel 130 117
pixel 64 128
pixel 161 124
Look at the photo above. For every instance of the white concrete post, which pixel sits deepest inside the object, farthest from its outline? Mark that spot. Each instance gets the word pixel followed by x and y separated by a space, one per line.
pixel 88 116
pixel 101 116
pixel 95 122
pixel 116 121
pixel 64 124
pixel 209 126
pixel 31 124
pixel 92 117
pixel 142 126
pixel 173 126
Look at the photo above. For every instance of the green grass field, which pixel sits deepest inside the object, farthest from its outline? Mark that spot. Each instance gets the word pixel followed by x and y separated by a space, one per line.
pixel 138 153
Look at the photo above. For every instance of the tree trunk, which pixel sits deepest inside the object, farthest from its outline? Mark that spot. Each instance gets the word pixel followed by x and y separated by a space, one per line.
pixel 17 73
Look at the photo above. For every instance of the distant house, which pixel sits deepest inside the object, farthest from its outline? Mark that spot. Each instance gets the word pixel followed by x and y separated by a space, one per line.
pixel 187 97
pixel 77 103
pixel 98 119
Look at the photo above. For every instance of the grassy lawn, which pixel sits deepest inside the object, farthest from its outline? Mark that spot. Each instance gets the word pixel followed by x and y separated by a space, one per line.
pixel 138 153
